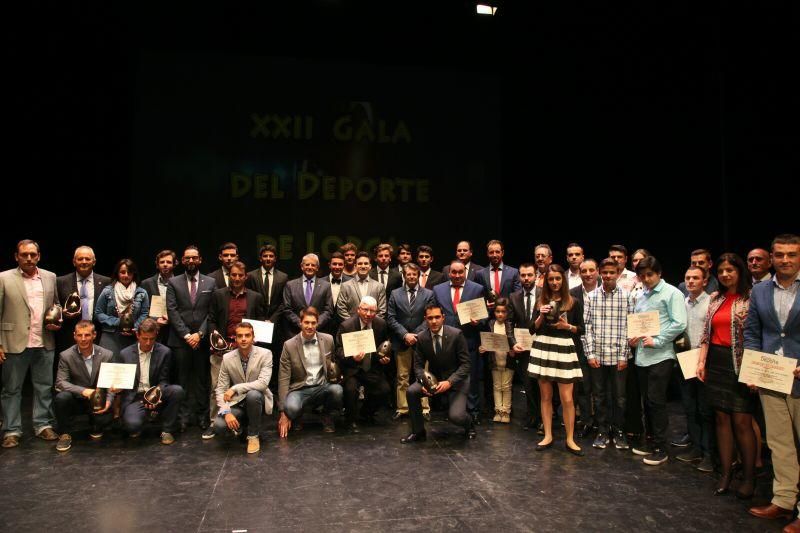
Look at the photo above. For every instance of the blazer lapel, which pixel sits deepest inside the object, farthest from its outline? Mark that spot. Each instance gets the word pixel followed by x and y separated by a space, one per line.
pixel 95 369
pixel 299 351
pixel 76 354
pixel 771 304
pixel 793 313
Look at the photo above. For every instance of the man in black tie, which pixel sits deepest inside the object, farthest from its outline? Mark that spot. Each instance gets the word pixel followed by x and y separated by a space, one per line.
pixel 444 349
pixel 389 277
pixel 336 277
pixel 523 303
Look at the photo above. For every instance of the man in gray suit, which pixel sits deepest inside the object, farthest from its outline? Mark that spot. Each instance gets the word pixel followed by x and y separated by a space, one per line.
pixel 303 379
pixel 188 303
pixel 26 293
pixel 358 287
pixel 242 392
pixel 307 290
pixel 78 369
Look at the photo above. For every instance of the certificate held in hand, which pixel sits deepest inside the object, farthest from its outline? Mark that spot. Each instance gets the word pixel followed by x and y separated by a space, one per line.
pixel 358 341
pixel 116 376
pixel 472 310
pixel 768 371
pixel 643 324
pixel 158 306
pixel 494 342
pixel 524 338
pixel 261 329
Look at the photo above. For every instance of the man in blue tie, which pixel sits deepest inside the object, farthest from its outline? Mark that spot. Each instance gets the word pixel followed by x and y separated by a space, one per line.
pixel 305 291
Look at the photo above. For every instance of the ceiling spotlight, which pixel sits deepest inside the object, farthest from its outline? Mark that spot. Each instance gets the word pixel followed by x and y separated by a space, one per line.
pixel 484 9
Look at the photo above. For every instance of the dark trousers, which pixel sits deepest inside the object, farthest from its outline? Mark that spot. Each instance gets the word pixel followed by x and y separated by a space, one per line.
pixel 68 405
pixel 583 393
pixel 376 392
pixel 530 386
pixel 653 382
pixel 699 415
pixel 135 414
pixel 635 419
pixel 475 376
pixel 328 395
pixel 457 414
pixel 247 412
pixel 194 377
pixel 608 384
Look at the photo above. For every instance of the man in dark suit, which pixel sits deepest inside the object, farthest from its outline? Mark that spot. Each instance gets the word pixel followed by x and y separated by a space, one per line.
pixel 188 302
pixel 152 362
pixel 87 285
pixel 229 305
pixel 444 349
pixel 404 256
pixel 337 278
pixel 449 295
pixel 523 302
pixel 428 277
pixel 156 285
pixel 405 316
pixel 499 277
pixel 269 282
pixel 464 253
pixel 583 390
pixel 78 369
pixel 307 290
pixel 228 255
pixel 383 272
pixel 363 369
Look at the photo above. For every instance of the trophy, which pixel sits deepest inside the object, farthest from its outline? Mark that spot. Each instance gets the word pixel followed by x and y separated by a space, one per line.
pixel 552 316
pixel 98 400
pixel 218 342
pixel 152 399
pixel 385 349
pixel 53 316
pixel 72 307
pixel 491 297
pixel 126 321
pixel 429 381
pixel 334 372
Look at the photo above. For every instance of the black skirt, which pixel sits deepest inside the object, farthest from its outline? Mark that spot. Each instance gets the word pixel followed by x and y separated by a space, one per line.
pixel 724 392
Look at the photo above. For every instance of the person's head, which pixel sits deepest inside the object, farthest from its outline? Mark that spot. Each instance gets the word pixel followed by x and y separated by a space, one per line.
pixel 367 309
pixel 574 256
pixel 733 274
pixel 702 258
pixel 786 255
pixel 618 253
pixel 588 271
pixel 308 321
pixel 363 264
pixel 555 287
pixel 758 262
pixel 165 262
pixel 83 260
pixel 146 334
pixel 464 251
pixel 458 273
pixel 191 259
pixel 403 253
pixel 638 255
pixel 383 255
pixel 609 273
pixel 309 265
pixel 543 255
pixel 27 256
pixel 495 252
pixel 411 275
pixel 125 272
pixel 336 264
pixel 245 334
pixel 527 276
pixel 228 254
pixel 349 251
pixel 268 255
pixel 237 274
pixel 696 280
pixel 424 257
pixel 501 309
pixel 84 334
pixel 434 317
pixel 648 271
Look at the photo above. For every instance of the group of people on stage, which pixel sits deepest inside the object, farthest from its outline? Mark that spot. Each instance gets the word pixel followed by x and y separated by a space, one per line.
pixel 198 362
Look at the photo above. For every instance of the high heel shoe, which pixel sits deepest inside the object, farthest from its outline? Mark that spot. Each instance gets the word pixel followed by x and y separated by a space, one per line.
pixel 724 484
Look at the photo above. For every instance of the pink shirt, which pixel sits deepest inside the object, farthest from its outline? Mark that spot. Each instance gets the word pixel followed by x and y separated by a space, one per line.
pixel 35 292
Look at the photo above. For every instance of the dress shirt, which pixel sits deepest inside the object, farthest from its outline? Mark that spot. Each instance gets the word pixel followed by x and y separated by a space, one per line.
pixel 271 280
pixel 385 276
pixel 335 287
pixel 162 286
pixel 766 277
pixel 362 285
pixel 573 279
pixel 499 269
pixel 144 370
pixel 696 317
pixel 784 298
pixel 668 301
pixel 423 275
pixel 606 320
pixel 34 290
pixel 312 357
pixel 409 290
pixel 88 360
pixel 627 280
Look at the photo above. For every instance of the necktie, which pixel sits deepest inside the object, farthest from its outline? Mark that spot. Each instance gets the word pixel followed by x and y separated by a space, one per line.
pixel 423 278
pixel 366 363
pixel 528 305
pixel 496 280
pixel 84 301
pixel 412 296
pixel 266 286
pixel 308 291
pixel 336 281
pixel 383 278
pixel 437 343
pixel 193 289
pixel 456 299
pixel 310 342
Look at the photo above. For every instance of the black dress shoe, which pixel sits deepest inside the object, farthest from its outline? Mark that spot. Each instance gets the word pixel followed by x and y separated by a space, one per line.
pixel 470 433
pixel 573 451
pixel 353 427
pixel 476 419
pixel 543 447
pixel 414 437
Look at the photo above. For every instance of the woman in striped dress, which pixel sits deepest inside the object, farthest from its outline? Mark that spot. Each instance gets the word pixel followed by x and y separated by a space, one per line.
pixel 558 324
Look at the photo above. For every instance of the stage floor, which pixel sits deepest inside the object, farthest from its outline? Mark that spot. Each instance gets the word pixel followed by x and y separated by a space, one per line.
pixel 367 482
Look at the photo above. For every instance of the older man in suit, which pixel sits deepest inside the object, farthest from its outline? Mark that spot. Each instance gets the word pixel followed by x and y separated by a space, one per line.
pixel 304 376
pixel 405 316
pixel 444 349
pixel 78 370
pixel 358 287
pixel 152 362
pixel 188 303
pixel 242 392
pixel 26 293
pixel 305 291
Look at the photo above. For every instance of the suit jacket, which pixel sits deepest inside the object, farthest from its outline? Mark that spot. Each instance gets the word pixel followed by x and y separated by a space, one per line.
pixel 470 291
pixel 72 375
pixel 274 307
pixel 349 298
pixel 394 280
pixel 66 285
pixel 294 301
pixel 509 280
pixel 763 331
pixel 451 363
pixel 517 314
pixel 402 318
pixel 333 323
pixel 15 315
pixel 231 376
pixel 292 373
pixel 472 273
pixel 220 304
pixel 160 365
pixel 150 285
pixel 380 333
pixel 434 278
pixel 185 318
pixel 219 278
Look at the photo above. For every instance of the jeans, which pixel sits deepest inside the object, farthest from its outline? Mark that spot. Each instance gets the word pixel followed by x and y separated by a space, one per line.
pixel 247 412
pixel 653 382
pixel 134 414
pixel 40 362
pixel 327 394
pixel 608 384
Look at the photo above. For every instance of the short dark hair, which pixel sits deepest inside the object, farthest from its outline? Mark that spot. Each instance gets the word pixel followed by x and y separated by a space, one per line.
pixel 165 253
pixel 404 246
pixel 607 262
pixel 25 242
pixel 149 325
pixel 574 245
pixel 359 255
pixel 424 248
pixel 130 265
pixel 348 247
pixel 85 324
pixel 240 265
pixel 495 241
pixel 433 305
pixel 229 246
pixel 501 302
pixel 783 238
pixel 267 248
pixel 246 325
pixel 701 251
pixel 618 248
pixel 527 265
pixel 336 255
pixel 310 310
pixel 192 247
pixel 590 260
pixel 702 270
pixel 649 263
pixel 459 262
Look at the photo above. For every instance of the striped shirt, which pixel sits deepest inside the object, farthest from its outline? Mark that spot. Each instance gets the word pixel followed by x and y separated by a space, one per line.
pixel 606 318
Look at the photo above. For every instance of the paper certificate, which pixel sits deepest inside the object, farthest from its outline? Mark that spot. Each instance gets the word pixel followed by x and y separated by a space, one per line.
pixel 158 307
pixel 523 338
pixel 643 324
pixel 262 330
pixel 358 341
pixel 472 310
pixel 768 371
pixel 494 342
pixel 688 362
pixel 116 376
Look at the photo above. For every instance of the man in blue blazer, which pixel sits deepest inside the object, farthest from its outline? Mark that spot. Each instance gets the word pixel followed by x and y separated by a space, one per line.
pixel 773 326
pixel 448 295
pixel 153 361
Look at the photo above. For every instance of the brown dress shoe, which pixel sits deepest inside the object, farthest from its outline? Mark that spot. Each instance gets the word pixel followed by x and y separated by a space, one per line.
pixel 10 441
pixel 48 434
pixel 792 527
pixel 770 512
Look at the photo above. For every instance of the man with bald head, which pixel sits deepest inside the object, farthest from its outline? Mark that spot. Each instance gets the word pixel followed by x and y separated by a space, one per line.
pixel 759 264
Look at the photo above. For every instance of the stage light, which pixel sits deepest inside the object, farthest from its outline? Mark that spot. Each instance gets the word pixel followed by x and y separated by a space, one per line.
pixel 484 9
